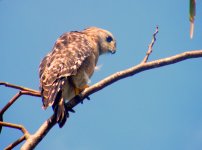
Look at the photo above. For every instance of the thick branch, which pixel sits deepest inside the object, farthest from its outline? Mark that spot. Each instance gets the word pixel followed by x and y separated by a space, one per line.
pixel 135 70
pixel 43 130
pixel 40 134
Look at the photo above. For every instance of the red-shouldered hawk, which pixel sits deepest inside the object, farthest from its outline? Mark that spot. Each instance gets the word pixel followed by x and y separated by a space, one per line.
pixel 66 70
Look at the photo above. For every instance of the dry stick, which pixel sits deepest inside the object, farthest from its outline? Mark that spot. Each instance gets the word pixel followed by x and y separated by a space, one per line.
pixel 19 87
pixel 2 111
pixel 149 51
pixel 18 141
pixel 30 92
pixel 33 141
pixel 47 125
pixel 11 101
pixel 24 91
pixel 134 70
pixel 19 127
pixel 16 126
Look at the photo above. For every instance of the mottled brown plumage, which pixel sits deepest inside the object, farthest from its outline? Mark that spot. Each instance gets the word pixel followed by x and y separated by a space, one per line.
pixel 68 67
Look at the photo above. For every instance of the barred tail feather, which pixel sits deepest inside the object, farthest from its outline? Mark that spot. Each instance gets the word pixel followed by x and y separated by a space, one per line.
pixel 60 112
pixel 54 98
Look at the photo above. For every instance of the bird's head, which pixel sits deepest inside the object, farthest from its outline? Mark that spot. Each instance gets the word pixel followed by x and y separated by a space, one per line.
pixel 105 40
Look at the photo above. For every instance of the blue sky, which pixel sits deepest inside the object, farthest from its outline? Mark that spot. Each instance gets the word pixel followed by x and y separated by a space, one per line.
pixel 154 110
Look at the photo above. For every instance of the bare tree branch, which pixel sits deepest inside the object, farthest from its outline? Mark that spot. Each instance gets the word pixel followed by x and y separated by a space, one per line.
pixel 149 51
pixel 135 70
pixel 33 140
pixel 25 136
pixel 20 93
pixel 47 125
pixel 20 88
pixel 39 134
pixel 18 141
pixel 23 91
pixel 16 126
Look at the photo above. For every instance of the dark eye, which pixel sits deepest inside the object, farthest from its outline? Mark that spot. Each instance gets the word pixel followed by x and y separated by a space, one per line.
pixel 109 39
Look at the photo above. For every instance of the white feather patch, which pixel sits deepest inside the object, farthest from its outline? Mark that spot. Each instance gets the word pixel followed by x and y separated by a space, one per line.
pixel 97 68
pixel 87 78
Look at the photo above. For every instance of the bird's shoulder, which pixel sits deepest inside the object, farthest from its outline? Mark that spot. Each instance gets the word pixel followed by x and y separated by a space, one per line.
pixel 67 55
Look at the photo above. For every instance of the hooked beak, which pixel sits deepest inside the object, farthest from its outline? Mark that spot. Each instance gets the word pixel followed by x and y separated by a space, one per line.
pixel 112 51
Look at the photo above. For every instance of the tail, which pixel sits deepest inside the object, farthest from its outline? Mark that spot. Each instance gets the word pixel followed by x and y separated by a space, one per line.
pixel 60 112
pixel 52 96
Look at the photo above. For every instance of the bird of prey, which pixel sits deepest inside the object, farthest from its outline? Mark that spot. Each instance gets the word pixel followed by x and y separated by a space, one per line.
pixel 65 71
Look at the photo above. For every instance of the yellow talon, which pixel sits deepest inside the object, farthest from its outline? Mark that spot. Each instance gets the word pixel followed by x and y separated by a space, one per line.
pixel 76 91
pixel 79 90
pixel 85 86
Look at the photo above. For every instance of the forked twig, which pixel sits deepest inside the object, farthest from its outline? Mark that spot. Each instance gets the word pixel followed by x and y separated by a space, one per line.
pixel 14 98
pixel 23 91
pixel 16 126
pixel 18 141
pixel 19 127
pixel 149 51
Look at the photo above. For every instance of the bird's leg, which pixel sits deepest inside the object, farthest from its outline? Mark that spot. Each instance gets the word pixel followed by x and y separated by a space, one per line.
pixel 86 86
pixel 79 90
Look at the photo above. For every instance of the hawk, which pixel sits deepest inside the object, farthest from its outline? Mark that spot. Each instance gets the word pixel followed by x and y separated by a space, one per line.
pixel 66 70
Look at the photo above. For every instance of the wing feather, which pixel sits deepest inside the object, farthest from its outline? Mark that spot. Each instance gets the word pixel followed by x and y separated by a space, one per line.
pixel 68 53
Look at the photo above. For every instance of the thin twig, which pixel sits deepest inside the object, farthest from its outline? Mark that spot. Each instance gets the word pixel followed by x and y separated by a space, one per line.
pixel 18 87
pixel 14 98
pixel 20 93
pixel 16 126
pixel 18 141
pixel 149 51
pixel 11 101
